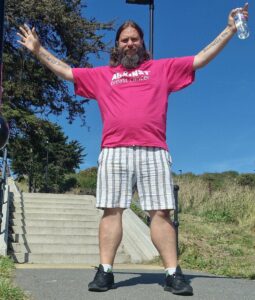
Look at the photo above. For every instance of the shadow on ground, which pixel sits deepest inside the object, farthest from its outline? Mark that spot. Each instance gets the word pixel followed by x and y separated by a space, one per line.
pixel 153 278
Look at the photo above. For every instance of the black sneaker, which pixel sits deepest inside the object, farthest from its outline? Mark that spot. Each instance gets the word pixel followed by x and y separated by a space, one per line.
pixel 102 282
pixel 177 284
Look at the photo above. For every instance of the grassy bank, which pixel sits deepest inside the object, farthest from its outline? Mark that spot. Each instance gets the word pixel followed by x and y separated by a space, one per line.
pixel 216 247
pixel 7 289
pixel 217 223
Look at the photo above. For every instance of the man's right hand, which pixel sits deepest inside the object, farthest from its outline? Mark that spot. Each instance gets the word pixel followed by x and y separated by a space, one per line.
pixel 29 38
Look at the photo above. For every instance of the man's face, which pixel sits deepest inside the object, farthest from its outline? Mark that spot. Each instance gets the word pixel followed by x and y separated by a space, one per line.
pixel 130 41
pixel 130 46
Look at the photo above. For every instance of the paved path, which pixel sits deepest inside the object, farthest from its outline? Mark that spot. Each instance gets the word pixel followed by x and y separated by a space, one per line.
pixel 132 282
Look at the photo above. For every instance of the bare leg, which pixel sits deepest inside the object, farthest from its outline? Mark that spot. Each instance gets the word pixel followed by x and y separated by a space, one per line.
pixel 110 234
pixel 163 237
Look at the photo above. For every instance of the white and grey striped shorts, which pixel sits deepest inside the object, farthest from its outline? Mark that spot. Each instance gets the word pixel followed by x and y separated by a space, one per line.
pixel 122 169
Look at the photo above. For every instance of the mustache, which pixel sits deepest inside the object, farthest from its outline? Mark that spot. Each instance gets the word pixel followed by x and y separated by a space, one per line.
pixel 134 49
pixel 123 52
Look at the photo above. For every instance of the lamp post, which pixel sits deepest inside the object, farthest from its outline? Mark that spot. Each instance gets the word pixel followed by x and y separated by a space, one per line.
pixel 151 8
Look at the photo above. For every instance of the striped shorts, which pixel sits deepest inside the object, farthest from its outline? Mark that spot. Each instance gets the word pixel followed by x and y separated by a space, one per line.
pixel 122 170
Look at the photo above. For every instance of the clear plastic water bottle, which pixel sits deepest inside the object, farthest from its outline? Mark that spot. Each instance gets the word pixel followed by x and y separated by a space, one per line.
pixel 241 25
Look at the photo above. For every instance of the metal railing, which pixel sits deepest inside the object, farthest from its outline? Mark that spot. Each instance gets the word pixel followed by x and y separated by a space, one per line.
pixel 4 205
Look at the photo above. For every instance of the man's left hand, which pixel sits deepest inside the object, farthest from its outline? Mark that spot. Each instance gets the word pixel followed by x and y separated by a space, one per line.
pixel 231 17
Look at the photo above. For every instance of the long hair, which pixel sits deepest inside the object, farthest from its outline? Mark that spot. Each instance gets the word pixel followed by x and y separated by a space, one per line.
pixel 114 54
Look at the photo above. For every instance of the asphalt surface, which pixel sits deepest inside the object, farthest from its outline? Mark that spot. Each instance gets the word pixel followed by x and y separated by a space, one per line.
pixel 131 283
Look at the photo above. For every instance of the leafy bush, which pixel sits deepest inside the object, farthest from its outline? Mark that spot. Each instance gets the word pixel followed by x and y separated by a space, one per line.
pixel 87 180
pixel 69 183
pixel 246 180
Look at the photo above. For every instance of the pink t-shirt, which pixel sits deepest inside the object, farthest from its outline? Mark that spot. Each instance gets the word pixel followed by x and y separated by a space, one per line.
pixel 133 103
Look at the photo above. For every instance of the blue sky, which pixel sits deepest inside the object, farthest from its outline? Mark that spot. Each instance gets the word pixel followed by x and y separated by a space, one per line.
pixel 211 124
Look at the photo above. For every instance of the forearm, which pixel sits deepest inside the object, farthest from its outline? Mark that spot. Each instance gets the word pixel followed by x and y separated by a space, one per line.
pixel 58 67
pixel 209 52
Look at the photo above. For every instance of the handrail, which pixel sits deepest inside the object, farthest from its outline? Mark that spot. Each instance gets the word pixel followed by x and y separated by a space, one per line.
pixel 2 182
pixel 176 218
pixel 4 206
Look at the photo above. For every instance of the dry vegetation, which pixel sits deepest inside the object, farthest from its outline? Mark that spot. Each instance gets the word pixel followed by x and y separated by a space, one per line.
pixel 217 223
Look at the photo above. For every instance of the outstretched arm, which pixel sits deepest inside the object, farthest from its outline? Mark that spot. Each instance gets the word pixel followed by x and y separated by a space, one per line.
pixel 30 40
pixel 209 52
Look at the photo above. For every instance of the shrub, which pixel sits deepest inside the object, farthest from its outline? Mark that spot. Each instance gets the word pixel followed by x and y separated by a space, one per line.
pixel 246 180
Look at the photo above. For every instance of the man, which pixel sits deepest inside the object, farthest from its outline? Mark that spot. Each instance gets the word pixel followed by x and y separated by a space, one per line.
pixel 132 95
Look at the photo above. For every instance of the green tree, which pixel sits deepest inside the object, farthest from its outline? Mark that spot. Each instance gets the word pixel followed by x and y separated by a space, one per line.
pixel 45 156
pixel 30 87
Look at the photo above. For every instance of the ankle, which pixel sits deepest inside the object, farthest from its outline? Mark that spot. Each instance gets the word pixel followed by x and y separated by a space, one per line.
pixel 170 271
pixel 107 267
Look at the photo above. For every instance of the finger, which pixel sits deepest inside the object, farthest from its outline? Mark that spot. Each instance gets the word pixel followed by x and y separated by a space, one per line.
pixel 23 30
pixel 27 28
pixel 234 12
pixel 34 32
pixel 246 5
pixel 246 15
pixel 20 42
pixel 20 35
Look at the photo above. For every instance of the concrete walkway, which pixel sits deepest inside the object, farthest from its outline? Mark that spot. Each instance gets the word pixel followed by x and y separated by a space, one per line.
pixel 132 282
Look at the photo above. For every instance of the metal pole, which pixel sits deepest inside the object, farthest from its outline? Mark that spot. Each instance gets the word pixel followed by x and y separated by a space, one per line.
pixel 4 165
pixel 176 220
pixel 1 45
pixel 151 26
pixel 2 183
pixel 151 8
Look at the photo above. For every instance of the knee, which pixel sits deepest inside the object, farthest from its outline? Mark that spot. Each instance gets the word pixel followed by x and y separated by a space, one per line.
pixel 161 214
pixel 113 212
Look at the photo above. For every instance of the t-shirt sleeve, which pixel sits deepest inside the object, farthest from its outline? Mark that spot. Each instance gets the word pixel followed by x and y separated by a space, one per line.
pixel 86 81
pixel 179 72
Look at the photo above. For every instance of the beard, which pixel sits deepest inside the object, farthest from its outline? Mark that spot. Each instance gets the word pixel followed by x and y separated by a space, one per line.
pixel 131 61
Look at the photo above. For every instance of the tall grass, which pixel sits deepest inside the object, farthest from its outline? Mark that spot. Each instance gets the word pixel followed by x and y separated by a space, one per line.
pixel 217 231
pixel 231 202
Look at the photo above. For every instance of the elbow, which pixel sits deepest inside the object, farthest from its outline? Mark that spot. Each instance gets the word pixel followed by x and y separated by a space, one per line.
pixel 67 74
pixel 199 62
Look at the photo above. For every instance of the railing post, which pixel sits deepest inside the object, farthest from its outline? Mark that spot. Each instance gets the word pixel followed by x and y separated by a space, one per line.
pixel 176 219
